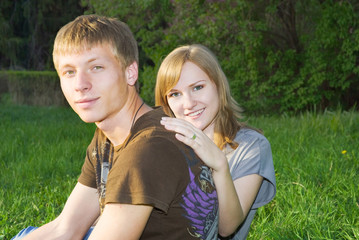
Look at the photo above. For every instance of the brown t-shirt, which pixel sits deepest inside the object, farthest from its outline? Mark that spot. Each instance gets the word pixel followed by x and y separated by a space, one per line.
pixel 153 168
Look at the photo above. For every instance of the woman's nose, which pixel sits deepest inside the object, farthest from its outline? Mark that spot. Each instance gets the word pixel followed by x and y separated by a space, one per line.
pixel 189 101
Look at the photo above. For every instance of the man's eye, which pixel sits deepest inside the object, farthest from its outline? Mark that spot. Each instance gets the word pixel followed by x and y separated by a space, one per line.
pixel 69 73
pixel 97 67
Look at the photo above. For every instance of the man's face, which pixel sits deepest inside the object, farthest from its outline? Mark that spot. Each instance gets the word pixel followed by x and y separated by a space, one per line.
pixel 93 82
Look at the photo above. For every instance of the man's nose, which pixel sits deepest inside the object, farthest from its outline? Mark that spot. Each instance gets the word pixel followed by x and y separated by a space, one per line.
pixel 82 81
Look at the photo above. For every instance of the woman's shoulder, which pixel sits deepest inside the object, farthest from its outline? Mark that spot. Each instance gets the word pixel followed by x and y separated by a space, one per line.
pixel 252 156
pixel 248 136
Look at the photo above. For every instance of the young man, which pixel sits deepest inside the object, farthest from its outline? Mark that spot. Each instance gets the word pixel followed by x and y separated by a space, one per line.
pixel 137 181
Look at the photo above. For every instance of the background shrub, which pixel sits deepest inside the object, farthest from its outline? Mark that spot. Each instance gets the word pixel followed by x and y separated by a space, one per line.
pixel 279 55
pixel 34 88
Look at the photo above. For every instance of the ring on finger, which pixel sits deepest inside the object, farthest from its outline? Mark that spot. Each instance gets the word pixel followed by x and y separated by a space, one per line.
pixel 194 136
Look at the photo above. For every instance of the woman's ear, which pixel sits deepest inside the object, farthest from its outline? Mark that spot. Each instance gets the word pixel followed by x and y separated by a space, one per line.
pixel 132 73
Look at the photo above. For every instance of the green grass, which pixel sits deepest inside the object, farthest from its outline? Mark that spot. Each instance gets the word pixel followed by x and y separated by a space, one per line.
pixel 42 151
pixel 316 159
pixel 41 154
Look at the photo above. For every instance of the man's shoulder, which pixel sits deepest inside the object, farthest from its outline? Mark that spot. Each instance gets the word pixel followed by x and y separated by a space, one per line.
pixel 149 126
pixel 149 135
pixel 151 118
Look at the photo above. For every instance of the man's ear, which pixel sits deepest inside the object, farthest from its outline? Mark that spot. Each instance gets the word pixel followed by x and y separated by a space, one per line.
pixel 132 73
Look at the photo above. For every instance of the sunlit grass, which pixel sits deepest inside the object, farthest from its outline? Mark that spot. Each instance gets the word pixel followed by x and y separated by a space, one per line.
pixel 316 159
pixel 315 155
pixel 41 154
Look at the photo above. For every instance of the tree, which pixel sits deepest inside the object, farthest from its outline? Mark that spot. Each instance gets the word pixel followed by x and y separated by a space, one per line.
pixel 279 55
pixel 29 28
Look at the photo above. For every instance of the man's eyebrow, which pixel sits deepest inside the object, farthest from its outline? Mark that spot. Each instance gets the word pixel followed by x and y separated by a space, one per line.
pixel 92 60
pixel 67 65
pixel 71 65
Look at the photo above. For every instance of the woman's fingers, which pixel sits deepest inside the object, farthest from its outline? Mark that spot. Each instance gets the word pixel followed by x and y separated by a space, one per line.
pixel 175 121
pixel 186 140
pixel 182 127
pixel 193 137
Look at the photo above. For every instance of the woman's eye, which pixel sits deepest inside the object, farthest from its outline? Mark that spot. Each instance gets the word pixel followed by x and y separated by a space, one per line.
pixel 174 94
pixel 196 88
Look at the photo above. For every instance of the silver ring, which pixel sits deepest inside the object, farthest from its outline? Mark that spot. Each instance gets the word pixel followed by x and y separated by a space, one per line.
pixel 194 136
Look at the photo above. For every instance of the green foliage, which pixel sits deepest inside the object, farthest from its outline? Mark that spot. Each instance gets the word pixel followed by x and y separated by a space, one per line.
pixel 34 88
pixel 27 31
pixel 332 59
pixel 3 83
pixel 301 58
pixel 279 56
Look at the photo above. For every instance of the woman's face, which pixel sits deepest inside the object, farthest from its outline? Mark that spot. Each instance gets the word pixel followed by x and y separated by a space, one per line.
pixel 195 98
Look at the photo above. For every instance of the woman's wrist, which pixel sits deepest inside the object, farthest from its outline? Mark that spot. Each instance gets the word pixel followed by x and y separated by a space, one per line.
pixel 221 166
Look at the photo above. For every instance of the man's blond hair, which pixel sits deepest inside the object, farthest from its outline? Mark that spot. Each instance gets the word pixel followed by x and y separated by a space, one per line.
pixel 88 31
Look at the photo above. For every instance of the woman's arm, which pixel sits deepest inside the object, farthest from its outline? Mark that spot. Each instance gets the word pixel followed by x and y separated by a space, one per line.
pixel 235 198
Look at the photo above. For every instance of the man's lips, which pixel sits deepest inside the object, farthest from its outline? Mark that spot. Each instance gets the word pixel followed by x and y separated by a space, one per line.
pixel 86 102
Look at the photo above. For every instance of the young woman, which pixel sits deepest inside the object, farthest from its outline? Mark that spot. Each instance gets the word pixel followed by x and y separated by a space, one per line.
pixel 192 87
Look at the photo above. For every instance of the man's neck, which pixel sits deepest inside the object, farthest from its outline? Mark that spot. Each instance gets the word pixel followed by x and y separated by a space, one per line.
pixel 117 127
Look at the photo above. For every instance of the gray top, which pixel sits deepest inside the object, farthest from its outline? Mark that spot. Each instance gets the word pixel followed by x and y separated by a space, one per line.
pixel 252 156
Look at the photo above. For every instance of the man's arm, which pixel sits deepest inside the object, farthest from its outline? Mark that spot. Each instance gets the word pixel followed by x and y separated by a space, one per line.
pixel 121 221
pixel 79 213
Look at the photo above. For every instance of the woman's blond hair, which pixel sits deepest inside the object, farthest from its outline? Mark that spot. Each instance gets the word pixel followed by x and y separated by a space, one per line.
pixel 226 122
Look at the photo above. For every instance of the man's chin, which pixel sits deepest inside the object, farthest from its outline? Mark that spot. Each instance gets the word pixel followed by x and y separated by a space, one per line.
pixel 88 119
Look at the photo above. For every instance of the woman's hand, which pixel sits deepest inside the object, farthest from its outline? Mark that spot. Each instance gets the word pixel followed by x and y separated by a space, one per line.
pixel 230 210
pixel 203 146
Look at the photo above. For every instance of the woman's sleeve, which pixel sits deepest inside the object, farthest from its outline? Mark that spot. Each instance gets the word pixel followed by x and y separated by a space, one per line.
pixel 254 156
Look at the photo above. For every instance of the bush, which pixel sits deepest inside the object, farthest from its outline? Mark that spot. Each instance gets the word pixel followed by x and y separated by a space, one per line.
pixel 279 56
pixel 34 88
pixel 3 83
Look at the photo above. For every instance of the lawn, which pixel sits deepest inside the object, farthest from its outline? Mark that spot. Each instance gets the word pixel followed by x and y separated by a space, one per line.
pixel 316 159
